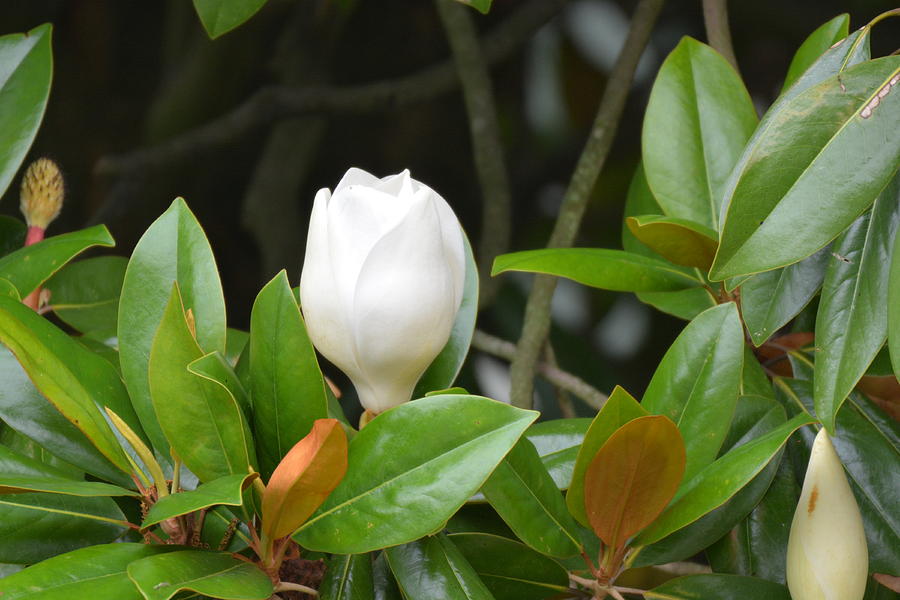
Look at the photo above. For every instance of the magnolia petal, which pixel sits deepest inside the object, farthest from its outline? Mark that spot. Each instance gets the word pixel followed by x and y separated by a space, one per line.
pixel 355 176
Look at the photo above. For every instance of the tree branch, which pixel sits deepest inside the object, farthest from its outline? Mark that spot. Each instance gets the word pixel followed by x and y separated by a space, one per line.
pixel 500 348
pixel 537 310
pixel 486 145
pixel 718 34
pixel 273 103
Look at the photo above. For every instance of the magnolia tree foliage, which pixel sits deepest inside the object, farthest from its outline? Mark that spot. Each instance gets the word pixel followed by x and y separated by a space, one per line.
pixel 147 450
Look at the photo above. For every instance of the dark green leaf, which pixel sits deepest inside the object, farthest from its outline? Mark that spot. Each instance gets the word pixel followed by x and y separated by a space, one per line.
pixel 410 469
pixel 174 248
pixel 815 45
pixel 202 421
pixel 348 577
pixel 698 118
pixel 12 234
pixel 894 307
pixel 619 409
pixel 442 371
pixel 18 484
pixel 85 294
pixel 754 381
pixel 287 386
pixel 510 570
pixel 851 325
pixel 720 587
pixel 221 16
pixel 97 572
pixel 434 569
pixel 18 443
pixel 225 490
pixel 684 304
pixel 385 584
pixel 26 69
pixel 522 492
pixel 214 574
pixel 557 443
pixel 680 241
pixel 829 141
pixel 30 266
pixel 698 381
pixel 769 300
pixel 614 270
pixel 482 6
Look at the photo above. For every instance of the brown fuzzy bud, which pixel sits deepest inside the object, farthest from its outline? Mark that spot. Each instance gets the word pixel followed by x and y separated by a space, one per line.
pixel 42 193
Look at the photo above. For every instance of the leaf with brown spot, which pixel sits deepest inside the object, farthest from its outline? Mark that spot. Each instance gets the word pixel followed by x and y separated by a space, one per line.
pixel 633 477
pixel 304 478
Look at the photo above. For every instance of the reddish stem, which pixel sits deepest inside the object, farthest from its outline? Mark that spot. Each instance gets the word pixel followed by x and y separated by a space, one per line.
pixel 34 235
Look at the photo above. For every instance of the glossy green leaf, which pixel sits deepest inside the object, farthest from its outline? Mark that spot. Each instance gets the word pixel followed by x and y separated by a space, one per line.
pixel 754 416
pixel 698 381
pixel 12 234
pixel 19 484
pixel 287 386
pixel 225 490
pixel 478 517
pixel 633 477
pixel 348 577
pixel 680 241
pixel 215 574
pixel 384 582
pixel 410 469
pixel 829 141
pixel 9 290
pixel 614 270
pixel 97 572
pixel 524 495
pixel 18 443
pixel 510 570
pixel 754 381
pixel 699 116
pixel 214 367
pixel 442 371
pixel 235 342
pixel 482 6
pixel 221 16
pixel 619 409
pixel 557 443
pixel 720 587
pixel 202 421
pixel 30 266
pixel 25 410
pixel 174 248
pixel 718 482
pixel 769 300
pixel 26 69
pixel 35 526
pixel 684 304
pixel 894 307
pixel 852 321
pixel 75 380
pixel 434 569
pixel 85 294
pixel 820 40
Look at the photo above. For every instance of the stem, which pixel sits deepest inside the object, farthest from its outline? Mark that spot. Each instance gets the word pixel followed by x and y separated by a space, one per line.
pixel 286 586
pixel 176 472
pixel 487 149
pixel 33 236
pixel 581 389
pixel 715 18
pixel 537 310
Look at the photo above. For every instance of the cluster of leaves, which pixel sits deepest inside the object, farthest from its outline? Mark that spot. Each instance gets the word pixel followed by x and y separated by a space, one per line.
pixel 212 456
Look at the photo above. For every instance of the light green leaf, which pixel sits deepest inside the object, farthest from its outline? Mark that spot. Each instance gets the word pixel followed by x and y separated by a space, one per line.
pixel 557 443
pixel 215 574
pixel 85 294
pixel 221 16
pixel 820 40
pixel 225 490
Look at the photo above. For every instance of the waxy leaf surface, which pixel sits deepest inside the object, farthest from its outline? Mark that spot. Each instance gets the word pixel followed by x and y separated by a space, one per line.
pixel 680 241
pixel 225 490
pixel 215 574
pixel 434 569
pixel 348 577
pixel 557 443
pixel 818 42
pixel 85 294
pixel 720 587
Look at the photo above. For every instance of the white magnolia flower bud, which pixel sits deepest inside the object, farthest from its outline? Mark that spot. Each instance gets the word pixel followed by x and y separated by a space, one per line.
pixel 827 557
pixel 382 281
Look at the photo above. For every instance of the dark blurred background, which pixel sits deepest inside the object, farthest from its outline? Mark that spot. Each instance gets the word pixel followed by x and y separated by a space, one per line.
pixel 131 75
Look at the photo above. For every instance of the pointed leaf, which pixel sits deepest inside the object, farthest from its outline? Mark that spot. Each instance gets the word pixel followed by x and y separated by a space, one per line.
pixel 201 420
pixel 348 577
pixel 286 383
pixel 614 270
pixel 698 382
pixel 769 300
pixel 215 574
pixel 681 241
pixel 225 490
pixel 174 248
pixel 827 142
pixel 410 469
pixel 26 69
pixel 522 492
pixel 304 478
pixel 721 480
pixel 720 587
pixel 32 265
pixel 851 325
pixel 619 409
pixel 482 6
pixel 221 16
pixel 96 572
pixel 633 477
pixel 698 118
pixel 818 42
pixel 85 294
pixel 434 569
pixel 74 379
